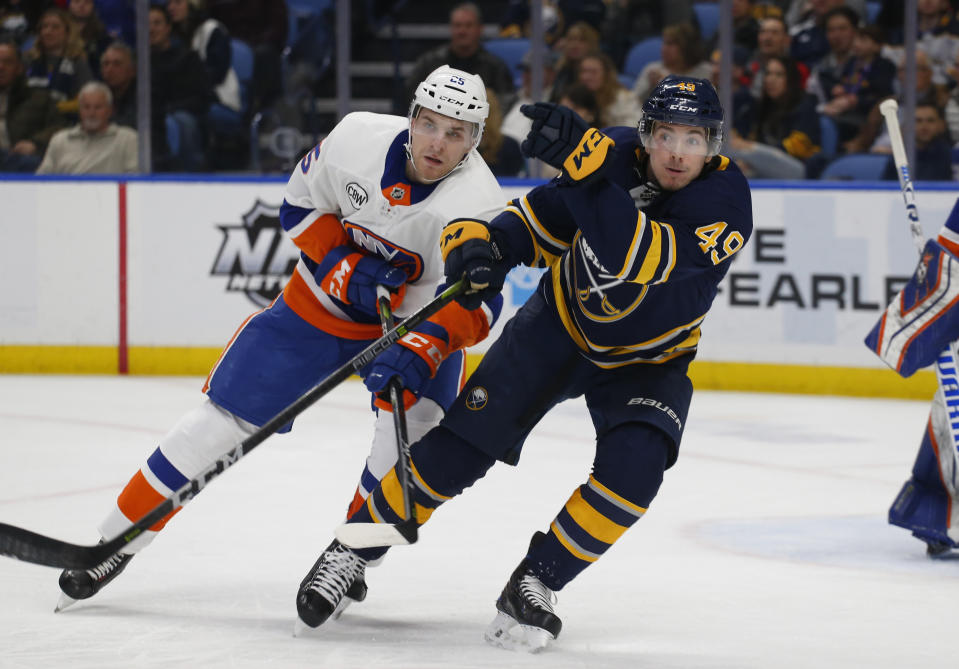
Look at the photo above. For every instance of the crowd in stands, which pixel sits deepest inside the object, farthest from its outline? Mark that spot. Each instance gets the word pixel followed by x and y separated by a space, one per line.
pixel 808 77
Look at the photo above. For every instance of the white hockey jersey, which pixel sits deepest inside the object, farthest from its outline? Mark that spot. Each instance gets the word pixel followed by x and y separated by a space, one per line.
pixel 352 188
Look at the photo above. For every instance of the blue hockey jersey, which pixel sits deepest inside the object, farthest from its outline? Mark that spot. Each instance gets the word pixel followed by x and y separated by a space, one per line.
pixel 631 284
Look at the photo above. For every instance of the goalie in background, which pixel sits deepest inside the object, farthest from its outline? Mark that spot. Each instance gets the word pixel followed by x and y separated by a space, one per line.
pixel 920 328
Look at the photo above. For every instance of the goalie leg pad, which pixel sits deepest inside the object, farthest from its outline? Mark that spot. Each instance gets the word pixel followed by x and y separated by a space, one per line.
pixel 926 506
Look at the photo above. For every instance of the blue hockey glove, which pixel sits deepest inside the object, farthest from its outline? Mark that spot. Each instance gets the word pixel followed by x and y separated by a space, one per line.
pixel 470 252
pixel 352 277
pixel 414 360
pixel 561 138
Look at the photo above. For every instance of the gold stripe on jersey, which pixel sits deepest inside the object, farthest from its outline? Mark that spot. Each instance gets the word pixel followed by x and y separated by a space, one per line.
pixel 556 272
pixel 595 523
pixel 660 253
pixel 393 494
pixel 549 246
pixel 723 163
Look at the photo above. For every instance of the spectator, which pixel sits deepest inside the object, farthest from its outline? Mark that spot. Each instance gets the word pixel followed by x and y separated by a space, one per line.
pixel 618 105
pixel 94 145
pixel 681 54
pixel 92 32
pixel 740 117
pixel 118 71
pixel 515 124
pixel 28 116
pixel 263 25
pixel 211 42
pixel 785 132
pixel 771 40
pixel 873 134
pixel 119 17
pixel 808 43
pixel 580 39
pixel 180 90
pixel 18 18
pixel 745 26
pixel 582 101
pixel 57 61
pixel 933 148
pixel 952 103
pixel 826 80
pixel 465 51
pixel 938 28
pixel 866 79
pixel 630 21
pixel 557 15
pixel 500 152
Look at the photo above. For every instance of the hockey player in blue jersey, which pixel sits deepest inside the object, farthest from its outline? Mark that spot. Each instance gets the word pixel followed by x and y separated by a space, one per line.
pixel 919 328
pixel 366 208
pixel 637 231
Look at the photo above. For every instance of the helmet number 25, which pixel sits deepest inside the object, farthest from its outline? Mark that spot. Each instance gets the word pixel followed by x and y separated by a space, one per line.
pixel 714 236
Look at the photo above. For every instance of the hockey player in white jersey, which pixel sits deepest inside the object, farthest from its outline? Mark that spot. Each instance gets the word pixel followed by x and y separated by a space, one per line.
pixel 365 208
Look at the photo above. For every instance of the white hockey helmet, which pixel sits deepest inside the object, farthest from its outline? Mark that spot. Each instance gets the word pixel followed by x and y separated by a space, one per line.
pixel 453 93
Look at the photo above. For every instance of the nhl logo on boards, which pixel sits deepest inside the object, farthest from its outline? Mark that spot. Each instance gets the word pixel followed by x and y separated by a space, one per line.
pixel 357 195
pixel 477 398
pixel 256 256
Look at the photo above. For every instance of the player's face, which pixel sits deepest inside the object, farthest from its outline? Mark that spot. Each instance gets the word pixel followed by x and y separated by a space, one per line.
pixel 677 154
pixel 438 143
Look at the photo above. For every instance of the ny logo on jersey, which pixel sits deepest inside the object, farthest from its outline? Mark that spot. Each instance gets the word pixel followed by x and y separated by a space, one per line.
pixel 408 261
pixel 256 256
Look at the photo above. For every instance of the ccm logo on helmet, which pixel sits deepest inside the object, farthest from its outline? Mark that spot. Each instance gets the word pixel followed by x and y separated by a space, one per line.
pixel 445 98
pixel 683 108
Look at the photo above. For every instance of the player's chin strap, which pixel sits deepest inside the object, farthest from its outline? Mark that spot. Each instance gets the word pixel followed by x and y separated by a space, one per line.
pixel 409 157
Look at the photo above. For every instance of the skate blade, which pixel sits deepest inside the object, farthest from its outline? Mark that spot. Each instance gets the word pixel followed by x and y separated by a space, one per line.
pixel 505 632
pixel 64 602
pixel 300 628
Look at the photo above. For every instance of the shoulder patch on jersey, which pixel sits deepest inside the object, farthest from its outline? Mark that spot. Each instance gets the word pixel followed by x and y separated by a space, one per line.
pixel 357 194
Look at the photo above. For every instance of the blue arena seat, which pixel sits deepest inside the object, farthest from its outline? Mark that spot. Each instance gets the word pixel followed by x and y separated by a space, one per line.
pixel 707 13
pixel 857 167
pixel 829 136
pixel 641 54
pixel 511 51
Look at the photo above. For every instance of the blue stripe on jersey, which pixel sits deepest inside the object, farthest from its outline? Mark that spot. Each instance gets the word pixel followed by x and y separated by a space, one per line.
pixel 434 330
pixel 169 475
pixel 579 536
pixel 368 481
pixel 608 507
pixel 291 216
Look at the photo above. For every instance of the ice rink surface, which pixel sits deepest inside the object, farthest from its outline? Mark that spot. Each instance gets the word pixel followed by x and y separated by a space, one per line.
pixel 767 546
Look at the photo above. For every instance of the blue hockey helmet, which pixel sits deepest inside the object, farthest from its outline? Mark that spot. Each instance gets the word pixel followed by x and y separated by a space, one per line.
pixel 684 101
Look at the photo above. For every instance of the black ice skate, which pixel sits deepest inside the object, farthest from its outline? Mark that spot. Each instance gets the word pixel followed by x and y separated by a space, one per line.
pixel 525 618
pixel 85 583
pixel 335 579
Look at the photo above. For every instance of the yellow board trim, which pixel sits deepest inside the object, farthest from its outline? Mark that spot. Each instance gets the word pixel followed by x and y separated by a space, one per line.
pixel 706 375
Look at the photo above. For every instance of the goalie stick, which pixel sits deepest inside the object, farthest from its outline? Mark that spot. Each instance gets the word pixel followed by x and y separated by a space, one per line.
pixel 22 544
pixel 946 362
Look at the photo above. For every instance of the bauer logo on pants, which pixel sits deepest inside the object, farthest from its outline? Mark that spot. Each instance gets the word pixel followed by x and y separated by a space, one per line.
pixel 256 256
pixel 477 398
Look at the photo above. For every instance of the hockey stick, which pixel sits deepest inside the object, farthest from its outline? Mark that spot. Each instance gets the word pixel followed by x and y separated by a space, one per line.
pixel 946 362
pixel 369 535
pixel 21 544
pixel 364 535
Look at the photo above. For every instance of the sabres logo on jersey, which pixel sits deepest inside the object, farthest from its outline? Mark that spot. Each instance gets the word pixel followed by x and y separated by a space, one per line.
pixel 477 398
pixel 594 286
pixel 408 261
